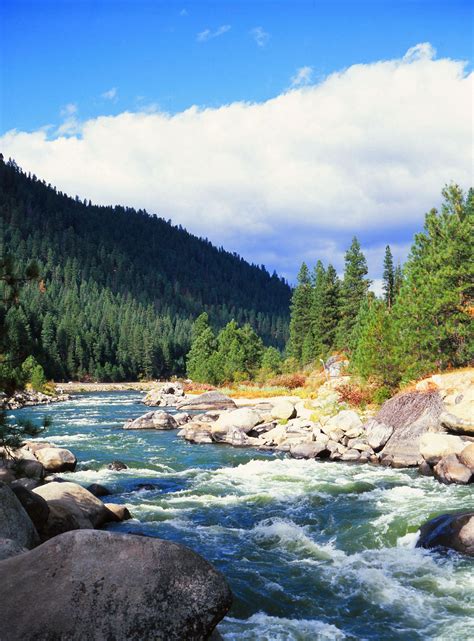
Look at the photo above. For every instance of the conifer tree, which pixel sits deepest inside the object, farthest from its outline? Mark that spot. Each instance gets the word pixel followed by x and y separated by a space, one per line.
pixel 388 278
pixel 372 357
pixel 354 289
pixel 203 348
pixel 330 306
pixel 433 311
pixel 313 346
pixel 397 281
pixel 300 321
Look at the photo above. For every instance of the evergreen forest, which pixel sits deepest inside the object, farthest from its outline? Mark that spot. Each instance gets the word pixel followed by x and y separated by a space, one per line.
pixel 111 293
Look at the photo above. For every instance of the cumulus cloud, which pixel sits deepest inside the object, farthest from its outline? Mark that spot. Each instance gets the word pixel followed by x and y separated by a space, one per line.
pixel 70 124
pixel 302 76
pixel 260 36
pixel 207 34
pixel 365 152
pixel 110 94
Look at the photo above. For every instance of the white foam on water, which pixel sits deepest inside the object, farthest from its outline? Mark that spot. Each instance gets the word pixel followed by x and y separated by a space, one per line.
pixel 290 537
pixel 263 627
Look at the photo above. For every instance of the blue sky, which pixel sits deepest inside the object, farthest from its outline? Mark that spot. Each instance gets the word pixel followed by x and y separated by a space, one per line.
pixel 66 63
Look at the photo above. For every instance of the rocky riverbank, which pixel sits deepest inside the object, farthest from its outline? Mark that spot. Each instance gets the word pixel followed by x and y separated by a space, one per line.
pixel 25 398
pixel 129 587
pixel 429 427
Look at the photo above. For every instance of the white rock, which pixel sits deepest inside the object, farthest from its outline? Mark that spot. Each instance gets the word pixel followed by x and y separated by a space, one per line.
pixel 284 410
pixel 434 447
pixel 345 420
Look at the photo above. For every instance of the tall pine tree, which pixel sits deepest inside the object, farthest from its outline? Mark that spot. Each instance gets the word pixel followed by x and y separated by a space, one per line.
pixel 300 322
pixel 353 292
pixel 388 278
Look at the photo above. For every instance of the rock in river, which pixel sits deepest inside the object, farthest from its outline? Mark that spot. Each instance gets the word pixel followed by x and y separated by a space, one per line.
pixel 15 524
pixel 455 531
pixel 158 420
pixel 101 585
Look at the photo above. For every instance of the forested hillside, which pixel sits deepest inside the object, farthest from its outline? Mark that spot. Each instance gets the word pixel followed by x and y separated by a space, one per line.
pixel 120 288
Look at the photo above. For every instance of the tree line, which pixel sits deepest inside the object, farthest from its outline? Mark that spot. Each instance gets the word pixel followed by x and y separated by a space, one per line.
pixel 423 322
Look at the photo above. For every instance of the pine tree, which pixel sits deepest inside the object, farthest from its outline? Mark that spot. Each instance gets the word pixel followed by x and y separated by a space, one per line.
pixel 433 311
pixel 353 292
pixel 314 345
pixel 300 321
pixel 330 304
pixel 397 281
pixel 388 278
pixel 203 348
pixel 372 357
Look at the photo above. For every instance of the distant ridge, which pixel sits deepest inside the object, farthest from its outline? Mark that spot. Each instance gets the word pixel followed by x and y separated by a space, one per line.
pixel 123 286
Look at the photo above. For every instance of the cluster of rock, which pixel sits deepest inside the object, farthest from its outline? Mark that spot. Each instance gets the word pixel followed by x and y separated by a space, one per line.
pixel 165 394
pixel 87 584
pixel 448 457
pixel 33 462
pixel 53 505
pixel 25 398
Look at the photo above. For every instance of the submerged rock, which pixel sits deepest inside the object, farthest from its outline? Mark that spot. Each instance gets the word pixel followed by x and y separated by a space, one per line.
pixel 117 466
pixel 454 531
pixel 98 585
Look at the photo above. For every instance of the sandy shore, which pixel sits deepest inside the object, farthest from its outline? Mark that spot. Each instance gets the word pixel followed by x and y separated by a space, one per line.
pixel 73 387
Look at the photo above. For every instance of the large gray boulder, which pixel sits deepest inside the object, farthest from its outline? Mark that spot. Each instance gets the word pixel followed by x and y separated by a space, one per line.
pixel 35 506
pixel 56 459
pixel 410 414
pixel 15 524
pixel 307 450
pixel 283 410
pixel 71 507
pixel 207 401
pixel 377 434
pixel 99 585
pixel 454 531
pixel 158 420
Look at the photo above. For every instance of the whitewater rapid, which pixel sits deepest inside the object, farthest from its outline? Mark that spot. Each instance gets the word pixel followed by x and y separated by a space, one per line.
pixel 311 549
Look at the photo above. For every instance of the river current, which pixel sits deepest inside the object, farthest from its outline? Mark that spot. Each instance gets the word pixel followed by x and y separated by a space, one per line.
pixel 313 550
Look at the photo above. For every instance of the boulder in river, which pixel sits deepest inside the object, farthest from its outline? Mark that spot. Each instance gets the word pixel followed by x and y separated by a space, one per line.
pixel 244 419
pixel 117 466
pixel 71 507
pixel 451 470
pixel 466 457
pixel 454 531
pixel 101 585
pixel 208 401
pixel 35 506
pixel 377 434
pixel 158 420
pixel 56 459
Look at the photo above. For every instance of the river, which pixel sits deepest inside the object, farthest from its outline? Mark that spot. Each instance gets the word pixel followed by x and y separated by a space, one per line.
pixel 312 550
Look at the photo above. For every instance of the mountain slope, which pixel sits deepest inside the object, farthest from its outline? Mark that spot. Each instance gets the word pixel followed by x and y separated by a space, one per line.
pixel 122 286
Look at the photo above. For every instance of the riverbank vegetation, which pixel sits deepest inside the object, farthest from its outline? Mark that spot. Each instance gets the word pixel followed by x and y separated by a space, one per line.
pixel 422 323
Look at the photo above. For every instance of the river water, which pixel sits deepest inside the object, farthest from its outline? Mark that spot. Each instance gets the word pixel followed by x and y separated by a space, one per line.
pixel 312 550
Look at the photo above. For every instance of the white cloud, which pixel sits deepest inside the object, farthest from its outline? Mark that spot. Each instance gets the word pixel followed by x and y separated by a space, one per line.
pixel 111 94
pixel 421 51
pixel 364 152
pixel 260 36
pixel 68 110
pixel 207 34
pixel 302 76
pixel 70 125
